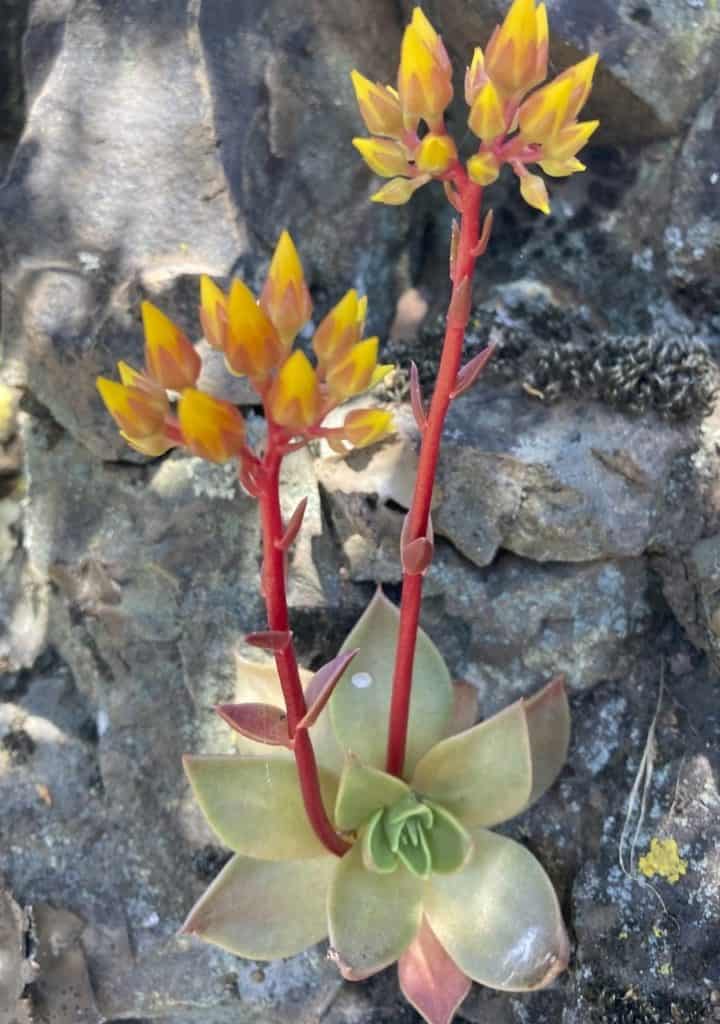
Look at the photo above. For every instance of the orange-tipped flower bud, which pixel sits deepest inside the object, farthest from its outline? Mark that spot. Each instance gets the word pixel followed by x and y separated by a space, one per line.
pixel 354 373
pixel 285 297
pixel 534 191
pixel 339 330
pixel 475 76
pixel 253 346
pixel 379 106
pixel 437 153
pixel 213 312
pixel 294 398
pixel 363 427
pixel 170 358
pixel 487 116
pixel 400 190
pixel 483 168
pixel 384 157
pixel 425 74
pixel 211 428
pixel 516 56
pixel 139 409
pixel 554 107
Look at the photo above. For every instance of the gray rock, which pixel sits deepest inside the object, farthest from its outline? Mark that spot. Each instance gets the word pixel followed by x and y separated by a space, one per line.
pixel 16 969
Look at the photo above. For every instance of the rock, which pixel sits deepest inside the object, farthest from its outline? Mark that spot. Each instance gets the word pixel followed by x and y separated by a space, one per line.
pixel 16 968
pixel 692 234
pixel 572 482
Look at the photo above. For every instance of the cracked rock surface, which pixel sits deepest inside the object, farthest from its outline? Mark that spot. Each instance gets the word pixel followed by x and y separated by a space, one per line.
pixel 576 512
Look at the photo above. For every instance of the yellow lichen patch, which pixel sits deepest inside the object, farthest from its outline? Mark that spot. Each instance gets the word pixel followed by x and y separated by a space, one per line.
pixel 664 860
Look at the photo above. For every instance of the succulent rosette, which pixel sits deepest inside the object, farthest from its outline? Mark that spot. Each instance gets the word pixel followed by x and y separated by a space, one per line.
pixel 425 882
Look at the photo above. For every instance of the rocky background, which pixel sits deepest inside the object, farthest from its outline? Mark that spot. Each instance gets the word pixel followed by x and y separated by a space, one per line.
pixel 145 142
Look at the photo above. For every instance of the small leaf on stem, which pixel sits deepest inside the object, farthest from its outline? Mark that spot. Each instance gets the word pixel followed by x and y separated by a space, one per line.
pixel 416 555
pixel 293 527
pixel 454 243
pixel 470 372
pixel 430 979
pixel 261 722
pixel 273 640
pixel 482 242
pixel 453 196
pixel 459 308
pixel 251 478
pixel 416 398
pixel 320 688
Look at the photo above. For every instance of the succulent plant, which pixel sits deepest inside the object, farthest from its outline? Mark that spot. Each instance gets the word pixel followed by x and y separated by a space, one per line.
pixel 424 882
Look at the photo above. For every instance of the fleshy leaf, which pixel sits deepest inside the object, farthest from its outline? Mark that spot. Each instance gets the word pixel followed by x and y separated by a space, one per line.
pixel 548 721
pixel 449 843
pixel 430 980
pixel 320 688
pixel 377 855
pixel 255 806
pixel 464 713
pixel 499 918
pixel 261 722
pixel 251 908
pixel 483 775
pixel 373 918
pixel 398 815
pixel 360 705
pixel 362 791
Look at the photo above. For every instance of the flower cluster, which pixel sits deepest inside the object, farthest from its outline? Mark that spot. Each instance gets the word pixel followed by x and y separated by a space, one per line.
pixel 256 339
pixel 515 125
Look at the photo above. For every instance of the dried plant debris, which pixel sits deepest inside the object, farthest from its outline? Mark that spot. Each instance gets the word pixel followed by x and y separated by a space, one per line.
pixel 17 968
pixel 62 993
pixel 555 354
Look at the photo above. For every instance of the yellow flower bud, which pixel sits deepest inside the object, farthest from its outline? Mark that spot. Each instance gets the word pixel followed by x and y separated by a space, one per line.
pixel 487 116
pixel 516 56
pixel 363 427
pixel 384 157
pixel 425 74
pixel 399 190
pixel 285 297
pixel 569 141
pixel 339 330
pixel 138 409
pixel 379 106
pixel 475 76
pixel 561 168
pixel 354 373
pixel 211 428
pixel 153 446
pixel 294 398
pixel 170 358
pixel 534 192
pixel 213 312
pixel 253 346
pixel 483 168
pixel 437 153
pixel 555 106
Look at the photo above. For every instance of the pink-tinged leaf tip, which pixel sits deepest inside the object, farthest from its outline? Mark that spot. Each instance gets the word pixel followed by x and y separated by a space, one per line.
pixel 320 688
pixel 270 640
pixel 430 979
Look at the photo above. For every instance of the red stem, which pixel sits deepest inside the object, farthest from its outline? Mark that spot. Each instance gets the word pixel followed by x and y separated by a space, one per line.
pixel 419 514
pixel 273 578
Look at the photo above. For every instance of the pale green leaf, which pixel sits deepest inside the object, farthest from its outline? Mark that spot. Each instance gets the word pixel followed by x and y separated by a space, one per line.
pixel 252 907
pixel 360 709
pixel 449 843
pixel 548 720
pixel 255 806
pixel 397 817
pixel 413 850
pixel 483 775
pixel 377 855
pixel 499 918
pixel 373 918
pixel 362 790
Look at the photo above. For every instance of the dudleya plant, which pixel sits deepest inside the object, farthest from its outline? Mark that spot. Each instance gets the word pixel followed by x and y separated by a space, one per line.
pixel 425 882
pixel 367 787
